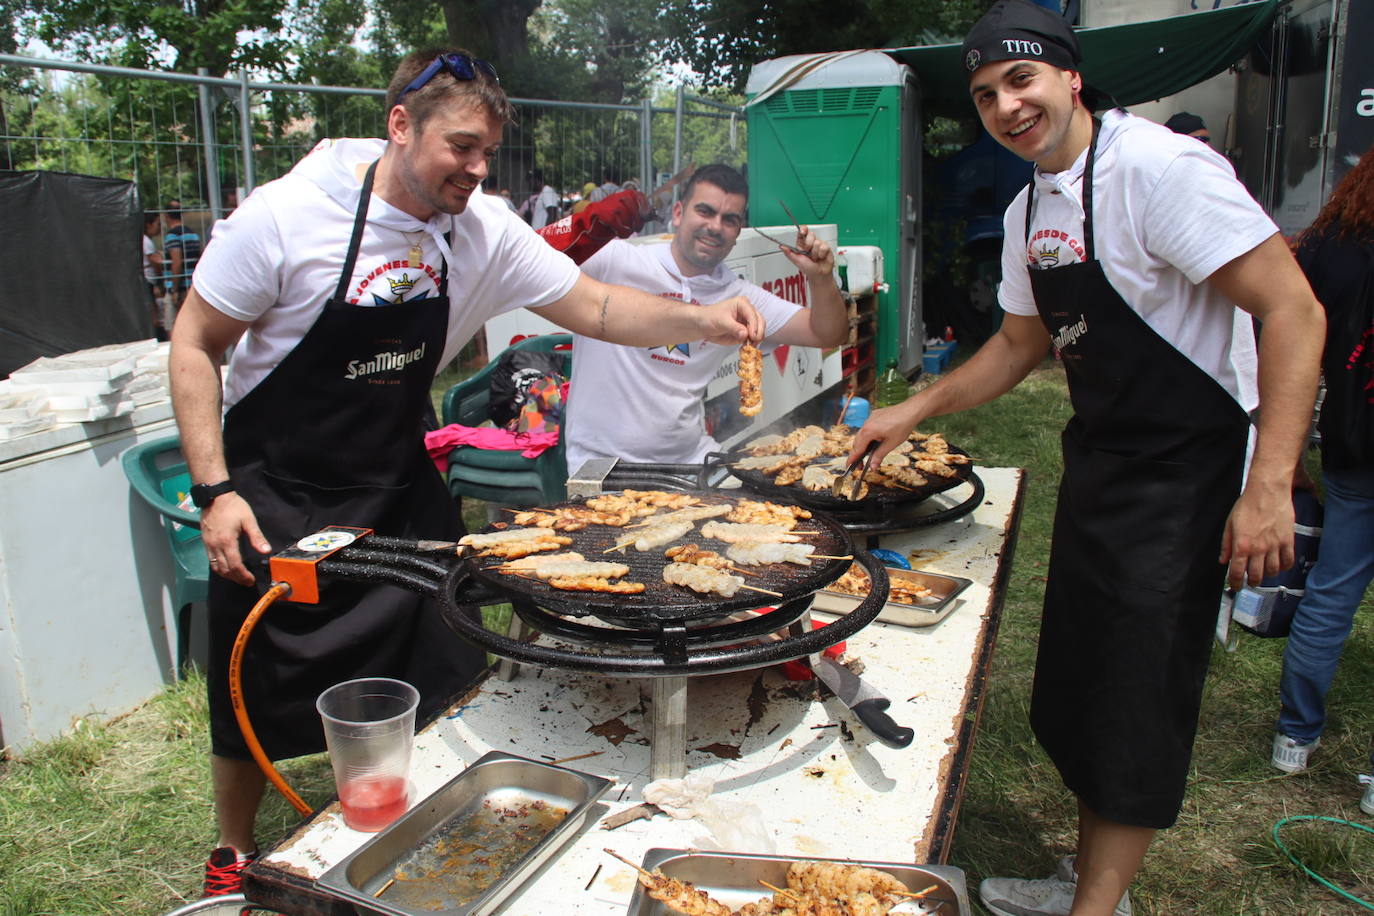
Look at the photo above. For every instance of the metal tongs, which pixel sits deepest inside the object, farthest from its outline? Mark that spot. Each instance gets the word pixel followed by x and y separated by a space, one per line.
pixel 865 459
pixel 779 242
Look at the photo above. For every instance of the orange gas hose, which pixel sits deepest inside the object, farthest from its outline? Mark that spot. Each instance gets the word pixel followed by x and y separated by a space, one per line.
pixel 278 590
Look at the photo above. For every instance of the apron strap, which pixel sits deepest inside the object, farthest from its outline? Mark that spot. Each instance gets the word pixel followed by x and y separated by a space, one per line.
pixel 443 275
pixel 1088 193
pixel 359 220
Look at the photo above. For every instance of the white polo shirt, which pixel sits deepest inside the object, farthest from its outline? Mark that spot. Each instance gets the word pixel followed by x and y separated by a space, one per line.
pixel 278 257
pixel 644 404
pixel 1167 213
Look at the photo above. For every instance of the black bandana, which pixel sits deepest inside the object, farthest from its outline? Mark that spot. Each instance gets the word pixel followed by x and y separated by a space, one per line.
pixel 1021 30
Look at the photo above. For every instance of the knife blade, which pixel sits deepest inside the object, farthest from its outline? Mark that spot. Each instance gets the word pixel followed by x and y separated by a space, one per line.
pixel 863 700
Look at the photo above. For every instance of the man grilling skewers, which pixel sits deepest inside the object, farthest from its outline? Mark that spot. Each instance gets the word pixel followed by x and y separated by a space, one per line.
pixel 342 288
pixel 1137 254
pixel 645 404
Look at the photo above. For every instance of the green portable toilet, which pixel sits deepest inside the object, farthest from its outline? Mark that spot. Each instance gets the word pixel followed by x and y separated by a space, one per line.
pixel 836 136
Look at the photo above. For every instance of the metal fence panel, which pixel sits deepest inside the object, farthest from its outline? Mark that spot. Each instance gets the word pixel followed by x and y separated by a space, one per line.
pixel 187 138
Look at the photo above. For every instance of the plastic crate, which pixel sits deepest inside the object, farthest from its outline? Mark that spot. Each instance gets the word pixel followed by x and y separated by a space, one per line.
pixel 936 358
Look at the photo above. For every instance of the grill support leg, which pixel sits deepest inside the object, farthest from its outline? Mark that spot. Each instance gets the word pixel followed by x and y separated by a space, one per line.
pixel 668 751
pixel 506 668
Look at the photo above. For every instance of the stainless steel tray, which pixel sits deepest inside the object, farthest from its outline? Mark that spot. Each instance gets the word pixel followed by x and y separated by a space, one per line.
pixel 733 879
pixel 463 850
pixel 925 612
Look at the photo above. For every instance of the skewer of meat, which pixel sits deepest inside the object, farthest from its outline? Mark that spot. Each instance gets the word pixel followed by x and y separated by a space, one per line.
pixel 661 499
pixel 618 502
pixel 579 569
pixel 903 476
pixel 750 380
pixel 571 518
pixel 938 468
pixel 763 445
pixel 697 555
pixel 702 579
pixel 766 552
pixel 680 895
pixel 700 556
pixel 752 511
pixel 513 550
pixel 655 536
pixel 837 881
pixel 690 514
pixel 595 584
pixel 534 562
pixel 502 537
pixel 734 533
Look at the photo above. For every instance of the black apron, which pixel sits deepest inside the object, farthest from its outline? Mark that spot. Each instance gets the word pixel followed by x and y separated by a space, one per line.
pixel 334 435
pixel 1153 463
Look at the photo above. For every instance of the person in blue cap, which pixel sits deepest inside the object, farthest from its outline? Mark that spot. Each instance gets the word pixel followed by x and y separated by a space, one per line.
pixel 1136 253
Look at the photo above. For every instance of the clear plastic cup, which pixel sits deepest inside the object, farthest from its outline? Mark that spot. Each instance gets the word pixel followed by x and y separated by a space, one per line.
pixel 369 727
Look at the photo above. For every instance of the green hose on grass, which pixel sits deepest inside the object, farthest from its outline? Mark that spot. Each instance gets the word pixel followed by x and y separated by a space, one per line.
pixel 1278 825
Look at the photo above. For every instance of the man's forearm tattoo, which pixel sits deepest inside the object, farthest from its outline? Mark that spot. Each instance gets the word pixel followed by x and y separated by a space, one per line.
pixel 605 301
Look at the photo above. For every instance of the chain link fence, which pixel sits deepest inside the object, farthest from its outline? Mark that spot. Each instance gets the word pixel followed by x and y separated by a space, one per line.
pixel 206 141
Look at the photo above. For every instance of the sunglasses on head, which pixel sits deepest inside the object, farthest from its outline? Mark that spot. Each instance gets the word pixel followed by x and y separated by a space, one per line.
pixel 459 66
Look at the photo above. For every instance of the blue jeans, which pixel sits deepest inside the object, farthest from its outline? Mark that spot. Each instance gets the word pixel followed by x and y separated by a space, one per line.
pixel 1335 587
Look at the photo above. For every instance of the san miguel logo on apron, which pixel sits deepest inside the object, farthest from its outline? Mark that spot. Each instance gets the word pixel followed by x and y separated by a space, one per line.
pixel 384 363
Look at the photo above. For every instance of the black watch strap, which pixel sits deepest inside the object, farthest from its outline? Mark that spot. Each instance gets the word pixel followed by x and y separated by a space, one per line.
pixel 202 494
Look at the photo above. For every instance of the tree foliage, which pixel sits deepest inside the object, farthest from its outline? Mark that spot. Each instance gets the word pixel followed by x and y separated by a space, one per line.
pixel 721 39
pixel 218 35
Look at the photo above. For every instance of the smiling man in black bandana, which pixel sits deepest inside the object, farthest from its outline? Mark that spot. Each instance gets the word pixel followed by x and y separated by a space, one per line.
pixel 1136 253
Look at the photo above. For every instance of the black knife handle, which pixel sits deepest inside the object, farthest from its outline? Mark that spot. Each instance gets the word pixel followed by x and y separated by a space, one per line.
pixel 873 714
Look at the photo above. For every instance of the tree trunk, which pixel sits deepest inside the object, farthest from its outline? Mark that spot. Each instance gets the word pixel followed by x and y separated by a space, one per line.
pixel 491 29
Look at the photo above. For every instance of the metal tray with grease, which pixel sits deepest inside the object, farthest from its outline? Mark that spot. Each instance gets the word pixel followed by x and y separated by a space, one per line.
pixel 733 879
pixel 923 612
pixel 463 850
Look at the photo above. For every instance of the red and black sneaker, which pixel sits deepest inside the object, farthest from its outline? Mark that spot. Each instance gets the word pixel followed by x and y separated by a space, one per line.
pixel 224 871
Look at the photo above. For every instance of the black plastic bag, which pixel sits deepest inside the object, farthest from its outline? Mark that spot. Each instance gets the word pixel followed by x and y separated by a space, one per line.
pixel 510 380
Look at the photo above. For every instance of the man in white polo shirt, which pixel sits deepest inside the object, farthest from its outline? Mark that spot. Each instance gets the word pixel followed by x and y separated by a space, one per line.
pixel 342 288
pixel 645 404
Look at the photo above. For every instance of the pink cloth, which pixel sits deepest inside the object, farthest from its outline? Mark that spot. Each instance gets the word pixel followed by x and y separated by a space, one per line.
pixel 442 441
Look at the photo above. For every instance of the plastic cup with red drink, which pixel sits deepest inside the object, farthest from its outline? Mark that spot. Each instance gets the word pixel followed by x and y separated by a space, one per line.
pixel 369 727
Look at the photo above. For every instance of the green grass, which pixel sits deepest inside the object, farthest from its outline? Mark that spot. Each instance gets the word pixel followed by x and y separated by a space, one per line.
pixel 115 818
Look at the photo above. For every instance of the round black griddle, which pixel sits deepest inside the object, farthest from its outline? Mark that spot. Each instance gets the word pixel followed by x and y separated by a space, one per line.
pixel 887 498
pixel 661 602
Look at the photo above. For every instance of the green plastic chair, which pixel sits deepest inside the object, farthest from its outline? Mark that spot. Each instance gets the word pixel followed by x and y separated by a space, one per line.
pixel 157 471
pixel 500 476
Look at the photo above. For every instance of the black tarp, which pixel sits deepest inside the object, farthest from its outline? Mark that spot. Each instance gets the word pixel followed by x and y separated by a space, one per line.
pixel 71 253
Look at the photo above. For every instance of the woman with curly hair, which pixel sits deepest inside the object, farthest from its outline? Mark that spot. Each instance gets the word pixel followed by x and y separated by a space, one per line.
pixel 1337 254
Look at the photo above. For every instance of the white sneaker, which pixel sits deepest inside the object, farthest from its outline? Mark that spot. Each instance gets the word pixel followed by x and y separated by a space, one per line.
pixel 1025 897
pixel 1067 870
pixel 1290 756
pixel 1367 799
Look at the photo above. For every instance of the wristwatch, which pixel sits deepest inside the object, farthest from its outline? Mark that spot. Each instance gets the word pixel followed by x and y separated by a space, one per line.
pixel 202 494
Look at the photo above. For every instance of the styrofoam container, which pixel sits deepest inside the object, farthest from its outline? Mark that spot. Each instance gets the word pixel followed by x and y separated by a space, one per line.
pixel 103 412
pixel 72 387
pixel 149 395
pixel 36 424
pixel 19 404
pixel 80 367
pixel 56 402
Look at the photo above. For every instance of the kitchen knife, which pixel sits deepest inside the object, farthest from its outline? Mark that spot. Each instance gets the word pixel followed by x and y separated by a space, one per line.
pixel 864 701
